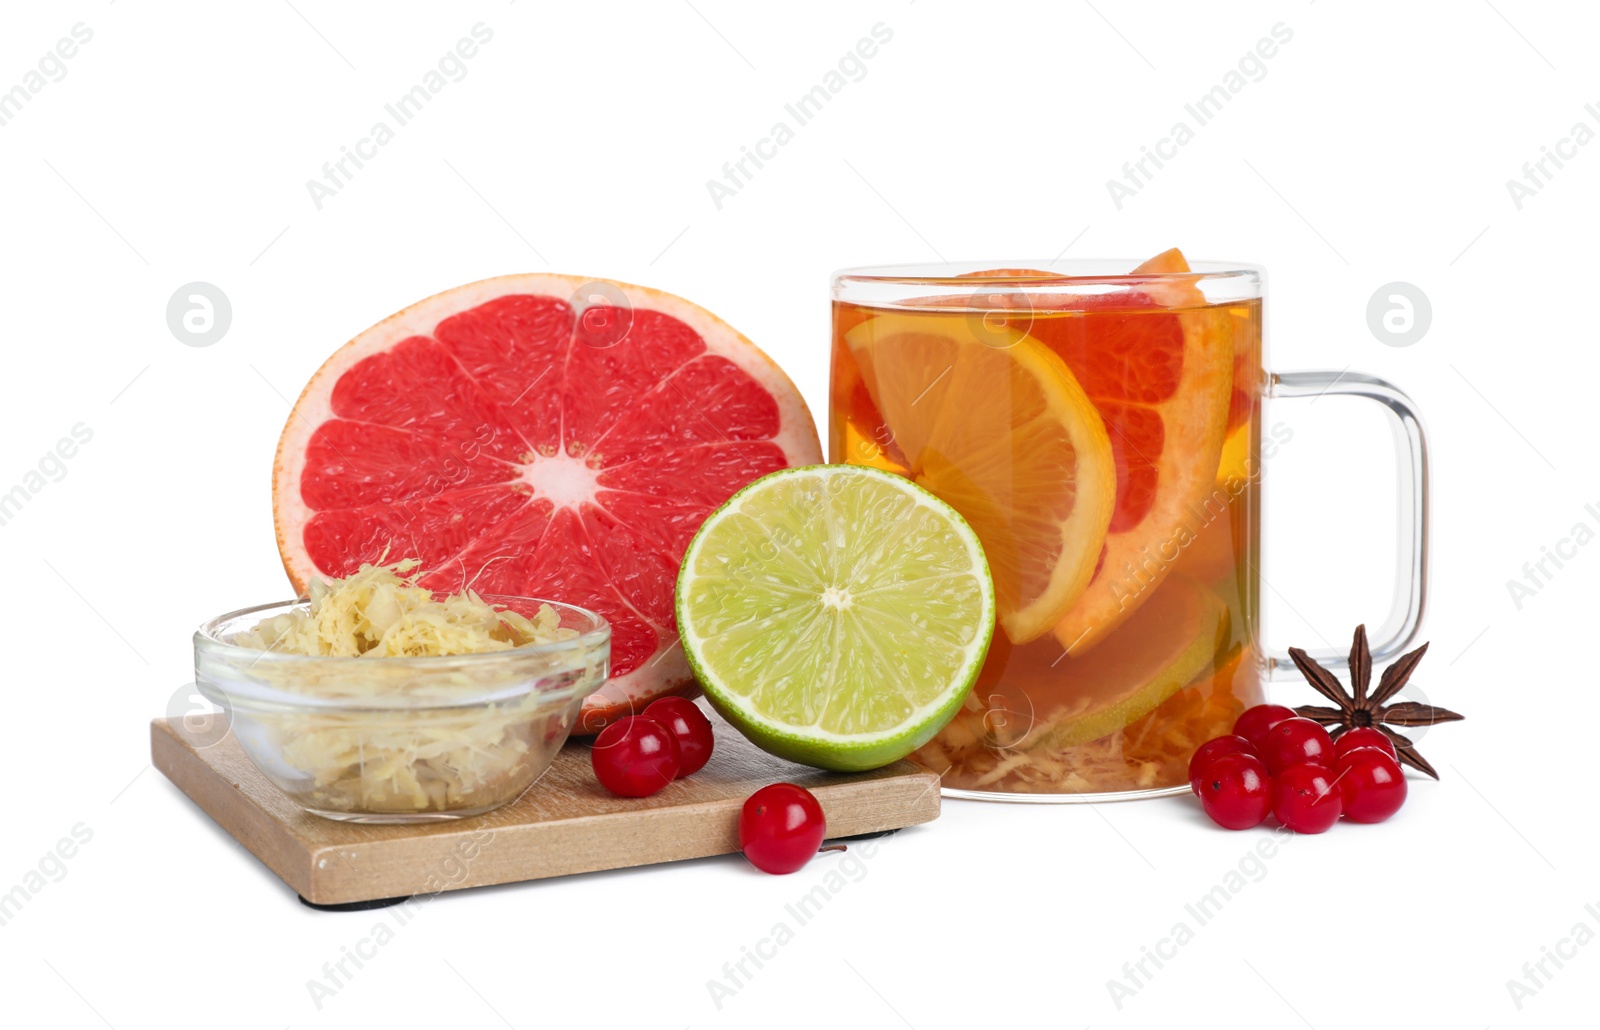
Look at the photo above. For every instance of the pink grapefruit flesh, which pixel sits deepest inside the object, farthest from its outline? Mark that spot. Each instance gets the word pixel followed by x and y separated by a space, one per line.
pixel 540 435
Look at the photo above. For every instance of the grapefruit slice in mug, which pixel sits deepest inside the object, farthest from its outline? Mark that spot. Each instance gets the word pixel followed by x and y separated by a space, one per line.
pixel 1163 382
pixel 540 435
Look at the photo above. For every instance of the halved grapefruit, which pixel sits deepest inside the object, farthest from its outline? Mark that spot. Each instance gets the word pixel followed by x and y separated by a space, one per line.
pixel 542 435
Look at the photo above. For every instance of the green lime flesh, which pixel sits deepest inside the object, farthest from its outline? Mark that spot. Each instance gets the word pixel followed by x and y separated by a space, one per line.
pixel 836 615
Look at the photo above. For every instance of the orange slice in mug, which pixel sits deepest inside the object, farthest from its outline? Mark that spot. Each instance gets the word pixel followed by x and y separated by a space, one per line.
pixel 993 423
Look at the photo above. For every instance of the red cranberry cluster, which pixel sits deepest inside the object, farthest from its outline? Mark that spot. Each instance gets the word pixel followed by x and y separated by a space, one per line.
pixel 780 826
pixel 1278 763
pixel 639 755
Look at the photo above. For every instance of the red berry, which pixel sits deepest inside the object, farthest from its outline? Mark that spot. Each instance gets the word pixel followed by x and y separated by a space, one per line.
pixel 1371 785
pixel 1364 736
pixel 1297 742
pixel 635 757
pixel 1305 799
pixel 1212 749
pixel 689 725
pixel 1236 792
pixel 780 827
pixel 1255 722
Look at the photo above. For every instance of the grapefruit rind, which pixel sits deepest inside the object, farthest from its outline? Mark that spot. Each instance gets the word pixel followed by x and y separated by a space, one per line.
pixel 814 744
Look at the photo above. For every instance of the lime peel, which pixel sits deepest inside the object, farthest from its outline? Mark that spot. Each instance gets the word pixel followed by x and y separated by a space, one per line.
pixel 1202 621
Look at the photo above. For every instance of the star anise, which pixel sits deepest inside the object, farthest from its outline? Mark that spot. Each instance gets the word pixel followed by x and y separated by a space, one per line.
pixel 1358 709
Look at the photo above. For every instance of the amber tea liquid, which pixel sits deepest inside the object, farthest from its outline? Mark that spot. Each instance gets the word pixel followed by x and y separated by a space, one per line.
pixel 1160 651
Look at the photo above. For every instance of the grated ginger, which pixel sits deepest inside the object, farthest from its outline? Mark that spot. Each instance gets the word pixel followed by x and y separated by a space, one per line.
pixel 381 612
pixel 1150 752
pixel 394 759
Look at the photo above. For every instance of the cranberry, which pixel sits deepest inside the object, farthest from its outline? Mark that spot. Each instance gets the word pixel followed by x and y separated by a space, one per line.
pixel 1371 785
pixel 1305 799
pixel 1296 742
pixel 1364 736
pixel 780 827
pixel 1236 792
pixel 635 757
pixel 1255 722
pixel 689 726
pixel 1212 749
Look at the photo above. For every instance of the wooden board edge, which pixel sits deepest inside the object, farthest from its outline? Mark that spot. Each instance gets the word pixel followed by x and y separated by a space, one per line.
pixel 486 856
pixel 335 873
pixel 253 827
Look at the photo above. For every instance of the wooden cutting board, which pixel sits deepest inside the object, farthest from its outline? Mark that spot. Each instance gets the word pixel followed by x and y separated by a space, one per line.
pixel 565 823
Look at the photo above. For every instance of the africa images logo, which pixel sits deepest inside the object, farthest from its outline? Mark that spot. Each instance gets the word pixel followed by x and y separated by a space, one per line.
pixel 452 67
pixel 52 67
pixel 1252 67
pixel 1538 174
pixel 738 174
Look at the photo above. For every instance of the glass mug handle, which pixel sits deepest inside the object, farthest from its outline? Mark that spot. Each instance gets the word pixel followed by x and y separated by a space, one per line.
pixel 1400 628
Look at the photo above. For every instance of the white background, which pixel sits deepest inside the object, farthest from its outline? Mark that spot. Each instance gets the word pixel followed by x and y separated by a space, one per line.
pixel 1375 149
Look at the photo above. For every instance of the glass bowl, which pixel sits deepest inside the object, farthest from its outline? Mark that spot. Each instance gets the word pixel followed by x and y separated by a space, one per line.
pixel 403 740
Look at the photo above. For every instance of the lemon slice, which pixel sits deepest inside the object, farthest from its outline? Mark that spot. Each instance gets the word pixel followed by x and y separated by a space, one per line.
pixel 837 615
pixel 994 423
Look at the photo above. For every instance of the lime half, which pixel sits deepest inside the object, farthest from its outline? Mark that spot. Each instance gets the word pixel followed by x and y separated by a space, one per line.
pixel 837 615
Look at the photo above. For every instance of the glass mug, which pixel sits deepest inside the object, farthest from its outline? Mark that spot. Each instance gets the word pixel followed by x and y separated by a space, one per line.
pixel 1102 433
